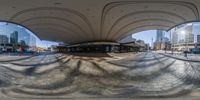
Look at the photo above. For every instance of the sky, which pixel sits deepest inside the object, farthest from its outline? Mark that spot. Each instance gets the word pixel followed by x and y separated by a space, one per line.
pixel 148 36
pixel 45 44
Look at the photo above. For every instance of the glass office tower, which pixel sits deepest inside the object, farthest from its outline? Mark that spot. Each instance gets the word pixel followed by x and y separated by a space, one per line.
pixel 15 35
pixel 186 37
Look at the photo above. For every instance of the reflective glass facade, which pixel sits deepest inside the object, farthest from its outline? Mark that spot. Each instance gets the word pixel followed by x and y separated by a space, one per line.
pixel 186 36
pixel 15 38
pixel 17 34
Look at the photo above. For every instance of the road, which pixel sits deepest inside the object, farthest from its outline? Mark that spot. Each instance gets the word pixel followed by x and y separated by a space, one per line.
pixel 114 76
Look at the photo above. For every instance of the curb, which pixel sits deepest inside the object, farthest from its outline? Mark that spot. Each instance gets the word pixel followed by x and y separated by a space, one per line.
pixel 179 58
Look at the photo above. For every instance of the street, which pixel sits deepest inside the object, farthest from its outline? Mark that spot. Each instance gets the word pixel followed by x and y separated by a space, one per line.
pixel 125 75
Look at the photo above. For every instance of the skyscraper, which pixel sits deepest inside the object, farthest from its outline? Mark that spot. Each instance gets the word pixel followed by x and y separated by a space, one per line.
pixel 175 38
pixel 186 37
pixel 23 35
pixel 159 35
pixel 14 37
pixel 159 40
pixel 189 36
pixel 196 32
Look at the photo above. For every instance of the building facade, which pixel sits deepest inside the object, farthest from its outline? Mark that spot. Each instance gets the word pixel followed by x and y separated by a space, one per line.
pixel 186 37
pixel 162 42
pixel 159 35
pixel 4 39
pixel 127 39
pixel 198 38
pixel 16 38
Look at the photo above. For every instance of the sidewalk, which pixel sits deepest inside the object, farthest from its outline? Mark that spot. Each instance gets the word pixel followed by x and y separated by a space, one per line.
pixel 180 56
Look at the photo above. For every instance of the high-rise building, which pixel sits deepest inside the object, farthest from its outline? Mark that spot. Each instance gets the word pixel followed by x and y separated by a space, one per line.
pixel 174 36
pixel 183 34
pixel 186 37
pixel 196 32
pixel 22 43
pixel 159 35
pixel 189 36
pixel 4 39
pixel 14 37
pixel 198 38
pixel 158 45
pixel 25 37
pixel 165 39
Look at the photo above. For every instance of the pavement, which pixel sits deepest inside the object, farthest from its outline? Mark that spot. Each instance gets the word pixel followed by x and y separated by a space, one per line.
pixel 141 76
pixel 181 56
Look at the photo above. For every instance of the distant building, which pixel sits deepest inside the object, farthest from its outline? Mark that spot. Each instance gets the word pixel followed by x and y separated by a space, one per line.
pixel 160 40
pixel 157 45
pixel 20 38
pixel 174 36
pixel 133 46
pixel 141 42
pixel 32 45
pixel 165 39
pixel 198 38
pixel 189 36
pixel 186 37
pixel 159 35
pixel 25 37
pixel 22 43
pixel 4 39
pixel 143 46
pixel 27 41
pixel 127 39
pixel 4 44
pixel 14 38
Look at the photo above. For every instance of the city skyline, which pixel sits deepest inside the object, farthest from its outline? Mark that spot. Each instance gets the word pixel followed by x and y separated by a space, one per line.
pixel 9 28
pixel 24 34
pixel 148 38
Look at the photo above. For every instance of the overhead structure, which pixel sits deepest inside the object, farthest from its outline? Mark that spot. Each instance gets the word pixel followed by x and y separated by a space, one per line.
pixel 77 21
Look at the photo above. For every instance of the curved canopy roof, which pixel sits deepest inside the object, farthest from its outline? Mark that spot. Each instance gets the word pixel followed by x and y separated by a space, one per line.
pixel 76 21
